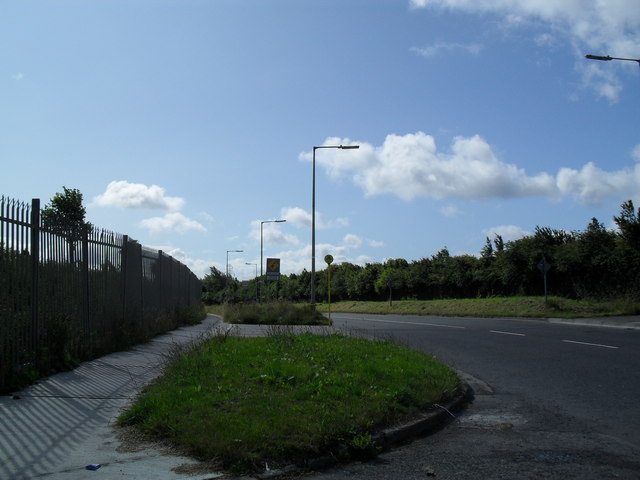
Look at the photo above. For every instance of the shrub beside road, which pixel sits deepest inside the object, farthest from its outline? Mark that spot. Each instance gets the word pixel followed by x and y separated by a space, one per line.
pixel 533 307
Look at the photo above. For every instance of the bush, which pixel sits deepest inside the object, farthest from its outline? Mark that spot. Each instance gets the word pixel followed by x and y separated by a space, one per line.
pixel 275 313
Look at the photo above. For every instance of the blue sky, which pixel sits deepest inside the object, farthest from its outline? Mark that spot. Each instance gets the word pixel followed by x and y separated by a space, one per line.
pixel 186 123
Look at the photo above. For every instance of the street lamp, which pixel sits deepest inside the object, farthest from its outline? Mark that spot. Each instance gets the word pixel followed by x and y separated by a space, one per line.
pixel 256 277
pixel 313 215
pixel 261 261
pixel 608 58
pixel 228 260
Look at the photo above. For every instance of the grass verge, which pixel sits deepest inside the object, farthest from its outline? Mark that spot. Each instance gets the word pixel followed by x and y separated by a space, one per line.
pixel 246 402
pixel 535 307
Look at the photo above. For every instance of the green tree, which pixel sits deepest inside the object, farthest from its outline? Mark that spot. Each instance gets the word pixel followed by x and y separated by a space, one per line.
pixel 417 278
pixel 366 281
pixel 66 214
pixel 393 276
pixel 341 278
pixel 594 262
pixel 629 224
pixel 487 253
pixel 213 286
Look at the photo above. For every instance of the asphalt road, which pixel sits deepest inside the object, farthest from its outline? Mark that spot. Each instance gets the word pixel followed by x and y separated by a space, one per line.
pixel 551 401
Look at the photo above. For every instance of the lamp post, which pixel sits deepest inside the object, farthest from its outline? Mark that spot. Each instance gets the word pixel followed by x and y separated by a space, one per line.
pixel 256 277
pixel 261 261
pixel 228 260
pixel 313 215
pixel 606 58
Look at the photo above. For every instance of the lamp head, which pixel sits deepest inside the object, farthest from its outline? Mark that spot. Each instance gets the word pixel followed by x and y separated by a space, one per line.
pixel 598 57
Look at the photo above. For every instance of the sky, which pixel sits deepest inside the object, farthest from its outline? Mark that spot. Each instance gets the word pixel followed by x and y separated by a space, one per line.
pixel 187 123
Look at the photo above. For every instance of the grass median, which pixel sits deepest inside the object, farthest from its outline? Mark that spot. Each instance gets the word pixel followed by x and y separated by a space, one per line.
pixel 284 398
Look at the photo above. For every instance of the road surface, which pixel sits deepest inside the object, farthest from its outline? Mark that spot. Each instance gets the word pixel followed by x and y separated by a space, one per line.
pixel 552 400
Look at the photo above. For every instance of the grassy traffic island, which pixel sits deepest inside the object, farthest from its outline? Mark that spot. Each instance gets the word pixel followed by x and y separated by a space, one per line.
pixel 248 404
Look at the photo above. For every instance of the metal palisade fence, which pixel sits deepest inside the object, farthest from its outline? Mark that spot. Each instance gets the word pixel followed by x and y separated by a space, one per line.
pixel 66 296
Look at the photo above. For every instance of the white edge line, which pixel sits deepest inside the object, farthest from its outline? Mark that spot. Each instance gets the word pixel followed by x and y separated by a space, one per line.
pixel 411 323
pixel 590 344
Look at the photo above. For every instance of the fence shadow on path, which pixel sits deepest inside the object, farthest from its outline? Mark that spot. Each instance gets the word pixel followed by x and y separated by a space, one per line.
pixel 47 422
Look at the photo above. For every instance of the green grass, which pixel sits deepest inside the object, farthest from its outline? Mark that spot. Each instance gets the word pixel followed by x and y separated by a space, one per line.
pixel 536 307
pixel 285 398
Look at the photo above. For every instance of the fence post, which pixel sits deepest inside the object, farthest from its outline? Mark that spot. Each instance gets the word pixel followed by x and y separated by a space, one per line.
pixel 123 272
pixel 35 262
pixel 160 285
pixel 86 321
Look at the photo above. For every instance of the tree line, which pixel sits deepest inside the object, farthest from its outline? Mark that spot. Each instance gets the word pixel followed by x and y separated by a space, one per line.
pixel 593 263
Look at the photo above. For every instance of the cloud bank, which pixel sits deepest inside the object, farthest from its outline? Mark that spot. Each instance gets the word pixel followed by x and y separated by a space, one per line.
pixel 411 166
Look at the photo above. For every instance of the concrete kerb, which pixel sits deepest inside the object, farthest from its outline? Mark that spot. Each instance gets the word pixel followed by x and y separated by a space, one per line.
pixel 624 322
pixel 422 425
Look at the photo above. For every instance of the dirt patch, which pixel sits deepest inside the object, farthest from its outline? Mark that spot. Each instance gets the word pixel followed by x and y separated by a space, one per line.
pixel 132 440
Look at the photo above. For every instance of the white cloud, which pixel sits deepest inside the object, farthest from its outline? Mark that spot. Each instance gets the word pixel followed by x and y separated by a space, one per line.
pixel 18 77
pixel 174 221
pixel 447 49
pixel 411 166
pixel 206 217
pixel 590 26
pixel 375 243
pixel 591 185
pixel 198 266
pixel 272 233
pixel 301 218
pixel 352 241
pixel 297 216
pixel 507 232
pixel 635 153
pixel 137 195
pixel 337 161
pixel 451 211
pixel 294 260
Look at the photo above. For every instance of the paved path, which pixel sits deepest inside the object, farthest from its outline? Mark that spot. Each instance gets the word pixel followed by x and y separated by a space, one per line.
pixel 64 423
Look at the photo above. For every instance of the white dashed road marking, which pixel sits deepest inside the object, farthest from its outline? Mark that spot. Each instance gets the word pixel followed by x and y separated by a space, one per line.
pixel 590 344
pixel 508 333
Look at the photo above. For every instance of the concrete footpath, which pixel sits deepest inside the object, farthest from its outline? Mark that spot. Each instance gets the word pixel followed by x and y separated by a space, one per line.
pixel 56 428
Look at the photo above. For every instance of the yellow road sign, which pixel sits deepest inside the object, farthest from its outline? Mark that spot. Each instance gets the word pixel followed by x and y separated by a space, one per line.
pixel 273 265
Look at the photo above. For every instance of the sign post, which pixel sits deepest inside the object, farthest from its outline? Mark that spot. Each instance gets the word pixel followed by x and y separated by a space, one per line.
pixel 329 260
pixel 273 269
pixel 544 267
